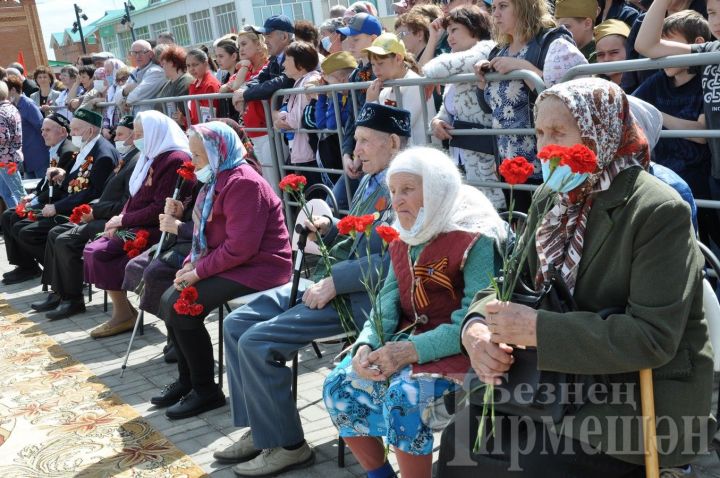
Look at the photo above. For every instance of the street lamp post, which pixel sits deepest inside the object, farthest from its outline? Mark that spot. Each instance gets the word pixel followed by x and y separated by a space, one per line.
pixel 77 26
pixel 129 7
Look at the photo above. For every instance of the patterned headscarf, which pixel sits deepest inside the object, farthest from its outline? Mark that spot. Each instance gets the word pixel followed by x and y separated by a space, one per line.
pixel 224 151
pixel 606 127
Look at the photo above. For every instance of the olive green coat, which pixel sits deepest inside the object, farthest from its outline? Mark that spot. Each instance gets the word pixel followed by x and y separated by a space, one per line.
pixel 640 255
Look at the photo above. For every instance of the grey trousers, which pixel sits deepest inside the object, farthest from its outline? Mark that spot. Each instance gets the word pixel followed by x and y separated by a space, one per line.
pixel 260 338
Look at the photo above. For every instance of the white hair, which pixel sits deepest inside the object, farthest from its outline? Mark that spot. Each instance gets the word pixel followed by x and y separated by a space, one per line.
pixel 449 205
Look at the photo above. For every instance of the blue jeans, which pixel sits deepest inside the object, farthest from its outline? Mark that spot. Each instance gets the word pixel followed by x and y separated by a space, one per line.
pixel 11 188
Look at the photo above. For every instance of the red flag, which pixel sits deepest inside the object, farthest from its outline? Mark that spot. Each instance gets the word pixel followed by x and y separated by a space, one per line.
pixel 21 59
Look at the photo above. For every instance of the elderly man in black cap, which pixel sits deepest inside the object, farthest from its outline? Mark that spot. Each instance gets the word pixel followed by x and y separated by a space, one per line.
pixel 81 182
pixel 63 268
pixel 261 336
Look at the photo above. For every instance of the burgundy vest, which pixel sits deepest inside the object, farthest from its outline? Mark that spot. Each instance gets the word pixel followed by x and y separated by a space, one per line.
pixel 431 290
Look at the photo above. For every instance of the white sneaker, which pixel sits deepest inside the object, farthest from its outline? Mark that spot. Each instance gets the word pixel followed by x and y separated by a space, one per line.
pixel 276 460
pixel 241 450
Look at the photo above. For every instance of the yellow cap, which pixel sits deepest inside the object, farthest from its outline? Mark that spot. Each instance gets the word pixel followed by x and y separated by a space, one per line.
pixel 386 44
pixel 576 9
pixel 338 61
pixel 611 27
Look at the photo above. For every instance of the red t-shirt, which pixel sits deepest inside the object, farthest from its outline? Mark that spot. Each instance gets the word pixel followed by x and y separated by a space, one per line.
pixel 209 84
pixel 254 116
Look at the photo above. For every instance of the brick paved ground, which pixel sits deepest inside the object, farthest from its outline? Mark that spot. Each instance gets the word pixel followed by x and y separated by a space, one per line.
pixel 200 436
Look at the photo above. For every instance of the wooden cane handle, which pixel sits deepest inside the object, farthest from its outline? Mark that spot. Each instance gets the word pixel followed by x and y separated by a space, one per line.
pixel 647 401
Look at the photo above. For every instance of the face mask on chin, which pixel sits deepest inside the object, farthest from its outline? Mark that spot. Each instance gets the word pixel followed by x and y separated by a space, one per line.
pixel 78 141
pixel 122 147
pixel 204 175
pixel 419 220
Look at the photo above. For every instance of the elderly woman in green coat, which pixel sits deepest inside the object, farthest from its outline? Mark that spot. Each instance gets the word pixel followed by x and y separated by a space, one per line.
pixel 621 241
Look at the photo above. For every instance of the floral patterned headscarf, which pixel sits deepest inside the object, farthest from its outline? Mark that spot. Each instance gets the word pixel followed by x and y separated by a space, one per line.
pixel 606 127
pixel 224 151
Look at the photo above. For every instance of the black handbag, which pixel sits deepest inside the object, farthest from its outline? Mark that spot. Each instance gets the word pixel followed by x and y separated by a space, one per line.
pixel 481 144
pixel 538 394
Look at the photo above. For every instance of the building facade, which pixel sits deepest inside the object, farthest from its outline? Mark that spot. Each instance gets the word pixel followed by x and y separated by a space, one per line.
pixel 67 45
pixel 20 31
pixel 196 22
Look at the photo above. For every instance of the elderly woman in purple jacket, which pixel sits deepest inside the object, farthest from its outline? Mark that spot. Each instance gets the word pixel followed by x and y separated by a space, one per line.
pixel 163 147
pixel 240 245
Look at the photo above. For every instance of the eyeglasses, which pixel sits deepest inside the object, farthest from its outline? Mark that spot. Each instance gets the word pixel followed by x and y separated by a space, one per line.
pixel 138 53
pixel 118 80
pixel 402 35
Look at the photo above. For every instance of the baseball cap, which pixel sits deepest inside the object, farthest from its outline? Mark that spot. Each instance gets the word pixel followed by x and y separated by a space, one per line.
pixel 386 44
pixel 361 23
pixel 276 22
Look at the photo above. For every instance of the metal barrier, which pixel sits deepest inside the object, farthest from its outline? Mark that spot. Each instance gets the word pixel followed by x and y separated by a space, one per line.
pixel 278 149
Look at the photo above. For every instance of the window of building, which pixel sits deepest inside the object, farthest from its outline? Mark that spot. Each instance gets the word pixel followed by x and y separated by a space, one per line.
pixel 142 33
pixel 158 28
pixel 111 44
pixel 202 26
pixel 179 27
pixel 226 18
pixel 125 41
pixel 294 9
pixel 325 5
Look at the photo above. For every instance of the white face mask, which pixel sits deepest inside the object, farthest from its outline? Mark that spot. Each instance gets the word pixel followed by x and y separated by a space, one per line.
pixel 204 175
pixel 78 142
pixel 122 147
pixel 99 85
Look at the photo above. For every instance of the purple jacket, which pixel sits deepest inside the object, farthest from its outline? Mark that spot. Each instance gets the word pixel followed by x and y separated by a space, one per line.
pixel 246 235
pixel 144 208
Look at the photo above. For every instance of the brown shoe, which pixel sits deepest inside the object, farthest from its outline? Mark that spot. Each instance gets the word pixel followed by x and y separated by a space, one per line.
pixel 107 330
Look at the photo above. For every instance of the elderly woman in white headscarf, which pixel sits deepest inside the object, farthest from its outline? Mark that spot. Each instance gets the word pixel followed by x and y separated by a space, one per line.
pixel 449 235
pixel 163 148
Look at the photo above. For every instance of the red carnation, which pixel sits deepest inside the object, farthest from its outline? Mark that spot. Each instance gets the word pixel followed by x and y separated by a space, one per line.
pixel 132 253
pixel 31 216
pixel 20 210
pixel 189 294
pixel 187 171
pixel 142 233
pixel 196 309
pixel 74 218
pixel 140 243
pixel 580 159
pixel 363 223
pixel 553 151
pixel 181 307
pixel 293 182
pixel 346 226
pixel 387 233
pixel 128 246
pixel 11 168
pixel 516 170
pixel 78 212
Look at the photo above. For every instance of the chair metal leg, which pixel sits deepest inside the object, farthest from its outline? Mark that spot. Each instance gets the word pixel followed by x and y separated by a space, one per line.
pixel 317 350
pixel 227 307
pixel 141 329
pixel 341 452
pixel 90 292
pixel 220 346
pixel 105 301
pixel 44 288
pixel 295 376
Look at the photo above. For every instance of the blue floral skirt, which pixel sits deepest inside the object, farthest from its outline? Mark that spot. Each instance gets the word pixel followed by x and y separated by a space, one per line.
pixel 360 407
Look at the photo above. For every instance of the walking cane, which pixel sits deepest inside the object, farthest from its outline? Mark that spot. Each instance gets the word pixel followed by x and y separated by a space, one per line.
pixel 297 270
pixel 141 317
pixel 647 401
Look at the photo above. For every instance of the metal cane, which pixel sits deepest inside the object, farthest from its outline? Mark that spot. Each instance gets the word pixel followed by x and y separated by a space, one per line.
pixel 140 318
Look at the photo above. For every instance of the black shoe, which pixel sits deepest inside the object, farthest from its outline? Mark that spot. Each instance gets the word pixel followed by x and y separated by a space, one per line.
pixel 21 275
pixel 193 404
pixel 170 394
pixel 170 355
pixel 51 302
pixel 67 308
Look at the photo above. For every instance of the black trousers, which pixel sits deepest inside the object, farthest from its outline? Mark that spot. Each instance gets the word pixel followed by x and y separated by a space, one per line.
pixel 521 448
pixel 196 366
pixel 25 240
pixel 63 266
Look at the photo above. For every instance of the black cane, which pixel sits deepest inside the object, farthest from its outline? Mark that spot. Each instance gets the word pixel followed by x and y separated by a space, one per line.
pixel 141 317
pixel 297 270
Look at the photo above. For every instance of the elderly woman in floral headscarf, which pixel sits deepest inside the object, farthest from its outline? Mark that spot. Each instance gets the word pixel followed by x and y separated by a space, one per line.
pixel 449 235
pixel 623 243
pixel 240 245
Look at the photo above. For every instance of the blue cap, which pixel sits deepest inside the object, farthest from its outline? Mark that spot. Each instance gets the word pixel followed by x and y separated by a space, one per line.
pixel 361 23
pixel 276 22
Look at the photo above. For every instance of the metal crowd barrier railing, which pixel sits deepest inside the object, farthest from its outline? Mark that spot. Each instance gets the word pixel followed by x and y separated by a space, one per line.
pixel 278 150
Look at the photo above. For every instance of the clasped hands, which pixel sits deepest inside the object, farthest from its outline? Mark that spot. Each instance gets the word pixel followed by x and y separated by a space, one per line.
pixel 486 342
pixel 381 364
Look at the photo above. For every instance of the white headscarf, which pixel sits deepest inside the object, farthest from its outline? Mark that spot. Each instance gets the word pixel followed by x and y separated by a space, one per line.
pixel 161 134
pixel 648 118
pixel 448 204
